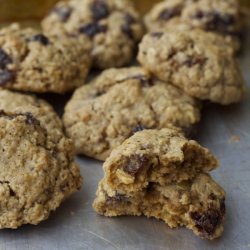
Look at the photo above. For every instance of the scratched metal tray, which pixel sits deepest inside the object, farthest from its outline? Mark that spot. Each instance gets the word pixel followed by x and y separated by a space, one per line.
pixel 75 225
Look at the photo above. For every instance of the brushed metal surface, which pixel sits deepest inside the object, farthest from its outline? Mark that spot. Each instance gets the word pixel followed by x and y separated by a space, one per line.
pixel 224 130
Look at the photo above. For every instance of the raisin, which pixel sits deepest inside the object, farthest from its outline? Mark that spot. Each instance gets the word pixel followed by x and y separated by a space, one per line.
pixel 4 59
pixel 3 114
pixel 157 34
pixel 221 23
pixel 135 163
pixel 126 28
pixel 63 12
pixel 199 14
pixel 144 80
pixel 38 69
pixel 116 199
pixel 150 187
pixel 12 192
pixel 216 21
pixel 138 128
pixel 6 76
pixel 169 13
pixel 195 61
pixel 227 19
pixel 99 9
pixel 92 29
pixel 212 196
pixel 30 119
pixel 39 38
pixel 99 93
pixel 207 222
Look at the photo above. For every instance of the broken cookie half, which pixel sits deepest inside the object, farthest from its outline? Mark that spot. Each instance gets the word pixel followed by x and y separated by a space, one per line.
pixel 161 174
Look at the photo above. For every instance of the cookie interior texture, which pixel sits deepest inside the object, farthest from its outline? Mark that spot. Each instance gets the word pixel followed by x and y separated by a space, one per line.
pixel 113 26
pixel 198 62
pixel 35 62
pixel 120 102
pixel 37 165
pixel 164 176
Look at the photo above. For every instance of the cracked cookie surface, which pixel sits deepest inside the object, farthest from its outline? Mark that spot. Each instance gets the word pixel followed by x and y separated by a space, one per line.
pixel 159 173
pixel 31 61
pixel 120 102
pixel 198 62
pixel 225 17
pixel 38 171
pixel 112 25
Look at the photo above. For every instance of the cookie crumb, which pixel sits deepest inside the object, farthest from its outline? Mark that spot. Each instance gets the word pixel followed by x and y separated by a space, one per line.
pixel 234 139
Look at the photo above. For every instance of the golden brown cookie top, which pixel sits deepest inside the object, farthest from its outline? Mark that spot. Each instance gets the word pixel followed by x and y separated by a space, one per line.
pixel 33 61
pixel 224 17
pixel 37 161
pixel 198 62
pixel 114 27
pixel 120 102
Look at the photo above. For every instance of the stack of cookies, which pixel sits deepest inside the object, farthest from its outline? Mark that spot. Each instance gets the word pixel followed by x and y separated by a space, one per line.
pixel 135 117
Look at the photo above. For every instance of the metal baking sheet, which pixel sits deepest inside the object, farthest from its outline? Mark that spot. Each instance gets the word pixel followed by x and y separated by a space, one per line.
pixel 75 225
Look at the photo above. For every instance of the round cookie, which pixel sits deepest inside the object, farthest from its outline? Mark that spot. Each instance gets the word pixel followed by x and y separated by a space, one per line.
pixel 120 102
pixel 198 62
pixel 37 163
pixel 31 61
pixel 113 26
pixel 225 17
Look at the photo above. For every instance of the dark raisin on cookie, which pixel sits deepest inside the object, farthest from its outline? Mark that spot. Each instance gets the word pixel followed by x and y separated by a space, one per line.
pixel 30 119
pixel 118 198
pixel 195 61
pixel 222 23
pixel 11 191
pixel 135 163
pixel 3 113
pixel 126 28
pixel 169 13
pixel 63 13
pixel 199 15
pixel 39 38
pixel 4 59
pixel 99 10
pixel 207 222
pixel 144 80
pixel 215 20
pixel 6 76
pixel 157 34
pixel 139 127
pixel 92 29
pixel 99 93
